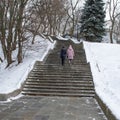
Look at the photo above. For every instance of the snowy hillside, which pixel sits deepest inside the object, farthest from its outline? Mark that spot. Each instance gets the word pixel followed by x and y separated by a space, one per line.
pixel 105 66
pixel 12 77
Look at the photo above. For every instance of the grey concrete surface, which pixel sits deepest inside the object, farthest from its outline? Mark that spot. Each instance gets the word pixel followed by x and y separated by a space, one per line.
pixel 51 108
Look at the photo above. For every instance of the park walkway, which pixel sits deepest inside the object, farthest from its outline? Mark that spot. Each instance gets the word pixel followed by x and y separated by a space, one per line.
pixel 53 92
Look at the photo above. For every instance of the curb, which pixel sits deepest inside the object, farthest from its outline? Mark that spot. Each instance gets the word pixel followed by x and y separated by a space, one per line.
pixel 105 109
pixel 4 97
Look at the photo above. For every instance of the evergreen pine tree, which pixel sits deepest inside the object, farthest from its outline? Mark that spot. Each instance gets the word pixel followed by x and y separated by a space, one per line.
pixel 92 20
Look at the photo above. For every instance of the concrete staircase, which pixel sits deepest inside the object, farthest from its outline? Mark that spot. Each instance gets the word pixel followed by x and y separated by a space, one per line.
pixel 52 79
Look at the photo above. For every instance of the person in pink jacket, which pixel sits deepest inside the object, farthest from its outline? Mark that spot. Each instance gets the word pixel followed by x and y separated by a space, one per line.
pixel 70 53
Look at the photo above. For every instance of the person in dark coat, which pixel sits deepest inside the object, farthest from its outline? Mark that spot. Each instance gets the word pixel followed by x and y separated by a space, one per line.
pixel 63 55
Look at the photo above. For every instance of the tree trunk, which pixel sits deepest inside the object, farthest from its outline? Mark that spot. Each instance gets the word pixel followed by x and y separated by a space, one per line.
pixel 20 32
pixel 34 34
pixel 19 56
pixel 111 31
pixel 1 59
pixel 9 58
pixel 4 47
pixel 33 39
pixel 15 39
pixel 111 38
pixel 65 26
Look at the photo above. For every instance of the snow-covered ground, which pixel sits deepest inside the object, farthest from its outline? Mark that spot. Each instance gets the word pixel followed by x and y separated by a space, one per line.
pixel 104 59
pixel 105 66
pixel 13 77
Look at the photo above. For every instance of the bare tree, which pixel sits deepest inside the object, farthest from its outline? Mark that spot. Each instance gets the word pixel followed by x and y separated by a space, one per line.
pixel 78 14
pixel 46 17
pixel 71 11
pixel 7 19
pixel 114 12
pixel 11 18
pixel 67 17
pixel 22 6
pixel 3 25
pixel 117 29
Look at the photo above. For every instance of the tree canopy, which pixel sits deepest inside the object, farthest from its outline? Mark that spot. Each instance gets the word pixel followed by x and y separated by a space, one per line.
pixel 92 20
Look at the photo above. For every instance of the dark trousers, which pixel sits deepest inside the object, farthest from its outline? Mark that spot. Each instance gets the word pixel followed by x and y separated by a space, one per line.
pixel 63 60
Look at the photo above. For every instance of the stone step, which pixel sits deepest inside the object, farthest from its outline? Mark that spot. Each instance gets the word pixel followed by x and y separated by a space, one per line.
pixel 60 80
pixel 57 65
pixel 58 62
pixel 58 58
pixel 67 65
pixel 53 87
pixel 79 55
pixel 53 57
pixel 59 76
pixel 58 83
pixel 60 73
pixel 58 94
pixel 80 51
pixel 63 69
pixel 76 58
pixel 77 52
pixel 59 91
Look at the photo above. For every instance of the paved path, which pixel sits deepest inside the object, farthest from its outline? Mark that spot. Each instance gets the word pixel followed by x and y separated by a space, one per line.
pixel 51 108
